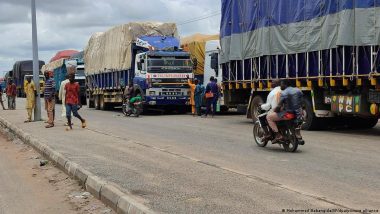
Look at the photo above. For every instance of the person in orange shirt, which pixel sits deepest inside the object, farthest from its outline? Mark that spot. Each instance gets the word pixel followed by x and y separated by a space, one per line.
pixel 192 93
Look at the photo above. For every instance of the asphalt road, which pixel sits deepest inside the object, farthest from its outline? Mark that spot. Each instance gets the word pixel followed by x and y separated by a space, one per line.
pixel 182 164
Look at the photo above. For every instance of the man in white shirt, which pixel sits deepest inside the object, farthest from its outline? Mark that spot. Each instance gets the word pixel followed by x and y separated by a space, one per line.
pixel 272 102
pixel 273 97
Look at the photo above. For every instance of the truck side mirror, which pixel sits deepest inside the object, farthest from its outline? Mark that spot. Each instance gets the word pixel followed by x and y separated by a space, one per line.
pixel 195 63
pixel 139 66
pixel 215 63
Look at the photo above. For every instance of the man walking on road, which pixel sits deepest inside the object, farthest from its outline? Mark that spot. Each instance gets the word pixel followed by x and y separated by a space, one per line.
pixel 11 95
pixel 49 95
pixel 30 92
pixel 62 96
pixel 72 101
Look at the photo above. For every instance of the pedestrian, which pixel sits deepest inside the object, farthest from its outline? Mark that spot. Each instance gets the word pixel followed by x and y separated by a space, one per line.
pixel 73 102
pixel 198 97
pixel 212 95
pixel 192 93
pixel 1 97
pixel 30 92
pixel 11 95
pixel 49 95
pixel 62 96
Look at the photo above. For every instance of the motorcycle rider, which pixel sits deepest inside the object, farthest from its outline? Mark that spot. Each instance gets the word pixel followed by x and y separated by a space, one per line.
pixel 134 100
pixel 289 107
pixel 129 91
pixel 272 102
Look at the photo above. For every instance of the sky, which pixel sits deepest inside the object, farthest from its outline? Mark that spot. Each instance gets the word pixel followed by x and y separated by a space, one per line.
pixel 68 24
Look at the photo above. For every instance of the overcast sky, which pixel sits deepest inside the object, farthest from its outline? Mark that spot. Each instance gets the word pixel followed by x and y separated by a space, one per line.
pixel 68 24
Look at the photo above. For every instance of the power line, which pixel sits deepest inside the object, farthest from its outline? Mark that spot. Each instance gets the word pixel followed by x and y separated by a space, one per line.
pixel 212 14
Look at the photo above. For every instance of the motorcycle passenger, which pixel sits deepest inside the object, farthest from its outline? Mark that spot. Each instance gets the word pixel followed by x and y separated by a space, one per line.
pixel 288 108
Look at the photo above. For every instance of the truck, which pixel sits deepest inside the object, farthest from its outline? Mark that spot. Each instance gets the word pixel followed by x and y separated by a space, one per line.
pixel 204 50
pixel 59 68
pixel 145 55
pixel 20 69
pixel 327 48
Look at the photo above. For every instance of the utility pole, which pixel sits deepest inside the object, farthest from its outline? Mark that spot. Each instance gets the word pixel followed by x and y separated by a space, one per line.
pixel 36 64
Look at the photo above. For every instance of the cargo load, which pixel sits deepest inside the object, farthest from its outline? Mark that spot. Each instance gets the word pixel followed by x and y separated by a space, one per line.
pixel 112 50
pixel 196 45
pixel 257 28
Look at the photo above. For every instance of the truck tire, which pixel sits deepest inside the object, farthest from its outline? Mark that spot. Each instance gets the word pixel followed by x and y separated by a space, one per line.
pixel 362 123
pixel 102 104
pixel 97 102
pixel 311 122
pixel 256 102
pixel 371 123
pixel 90 102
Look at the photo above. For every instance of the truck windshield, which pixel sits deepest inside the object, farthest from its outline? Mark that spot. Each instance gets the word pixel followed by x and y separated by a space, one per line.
pixel 170 65
pixel 79 72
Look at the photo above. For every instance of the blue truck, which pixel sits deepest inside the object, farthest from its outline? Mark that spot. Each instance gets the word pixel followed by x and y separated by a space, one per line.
pixel 153 63
pixel 59 68
pixel 328 48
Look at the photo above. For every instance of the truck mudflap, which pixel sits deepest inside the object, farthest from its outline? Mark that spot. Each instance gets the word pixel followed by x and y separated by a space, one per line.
pixel 166 100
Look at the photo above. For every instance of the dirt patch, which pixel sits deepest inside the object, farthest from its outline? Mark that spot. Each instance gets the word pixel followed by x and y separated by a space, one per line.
pixel 30 184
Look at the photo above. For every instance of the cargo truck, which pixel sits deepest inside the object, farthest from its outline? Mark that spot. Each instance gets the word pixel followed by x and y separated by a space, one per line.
pixel 144 54
pixel 327 48
pixel 59 68
pixel 20 69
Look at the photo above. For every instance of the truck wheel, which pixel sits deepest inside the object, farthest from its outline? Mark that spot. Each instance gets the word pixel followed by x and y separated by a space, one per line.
pixel 97 102
pixel 256 102
pixel 90 103
pixel 362 123
pixel 371 122
pixel 102 104
pixel 311 122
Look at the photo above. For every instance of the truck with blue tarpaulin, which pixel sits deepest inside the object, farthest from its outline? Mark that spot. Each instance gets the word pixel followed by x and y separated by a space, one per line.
pixel 143 54
pixel 327 48
pixel 60 71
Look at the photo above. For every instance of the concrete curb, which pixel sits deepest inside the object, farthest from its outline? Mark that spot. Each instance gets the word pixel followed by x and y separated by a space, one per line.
pixel 107 192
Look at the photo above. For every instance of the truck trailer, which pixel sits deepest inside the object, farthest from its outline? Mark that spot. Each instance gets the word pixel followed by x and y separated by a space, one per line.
pixel 327 48
pixel 144 54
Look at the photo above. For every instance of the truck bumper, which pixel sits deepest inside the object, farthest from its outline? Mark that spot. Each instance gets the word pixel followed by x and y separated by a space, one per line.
pixel 167 100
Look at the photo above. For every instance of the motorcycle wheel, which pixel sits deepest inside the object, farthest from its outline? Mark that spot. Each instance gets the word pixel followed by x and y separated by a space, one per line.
pixel 125 112
pixel 291 144
pixel 258 134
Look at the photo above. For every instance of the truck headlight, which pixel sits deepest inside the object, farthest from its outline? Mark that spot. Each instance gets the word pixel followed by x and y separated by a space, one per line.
pixel 152 93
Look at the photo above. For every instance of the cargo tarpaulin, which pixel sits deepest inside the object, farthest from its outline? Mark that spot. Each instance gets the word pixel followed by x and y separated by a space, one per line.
pixel 112 50
pixel 53 65
pixel 253 28
pixel 196 46
pixel 65 54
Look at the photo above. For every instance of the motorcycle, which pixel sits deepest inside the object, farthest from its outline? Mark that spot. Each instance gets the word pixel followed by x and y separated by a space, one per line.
pixel 289 129
pixel 135 109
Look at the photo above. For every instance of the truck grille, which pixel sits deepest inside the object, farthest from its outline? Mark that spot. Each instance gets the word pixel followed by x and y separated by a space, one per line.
pixel 172 92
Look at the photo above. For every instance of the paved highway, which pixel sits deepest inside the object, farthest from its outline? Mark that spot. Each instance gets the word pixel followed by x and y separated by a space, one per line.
pixel 182 164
